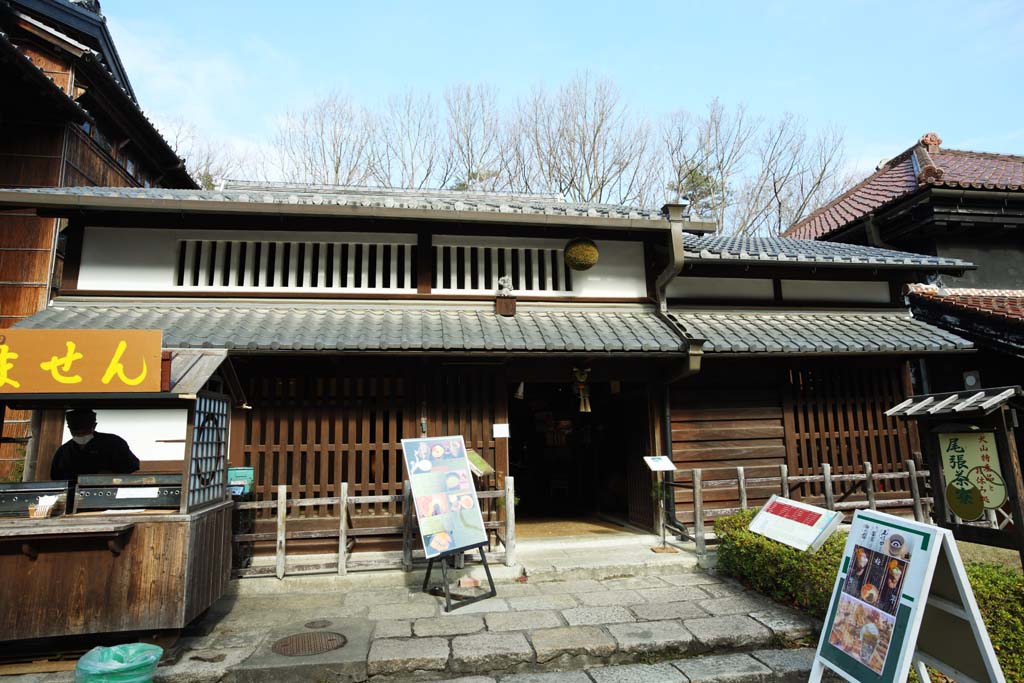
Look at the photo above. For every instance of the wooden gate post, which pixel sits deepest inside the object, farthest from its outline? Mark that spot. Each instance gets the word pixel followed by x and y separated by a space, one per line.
pixel 869 485
pixel 784 476
pixel 826 473
pixel 282 512
pixel 510 522
pixel 915 490
pixel 407 507
pixel 698 514
pixel 343 530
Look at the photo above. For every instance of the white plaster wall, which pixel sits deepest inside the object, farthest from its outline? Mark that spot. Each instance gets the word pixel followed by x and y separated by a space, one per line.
pixel 147 430
pixel 720 288
pixel 835 291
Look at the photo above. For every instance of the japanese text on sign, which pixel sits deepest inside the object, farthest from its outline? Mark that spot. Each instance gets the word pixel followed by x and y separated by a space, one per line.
pixel 79 361
pixel 970 466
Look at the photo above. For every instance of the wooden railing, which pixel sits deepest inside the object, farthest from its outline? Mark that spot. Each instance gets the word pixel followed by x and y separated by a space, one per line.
pixel 735 478
pixel 346 533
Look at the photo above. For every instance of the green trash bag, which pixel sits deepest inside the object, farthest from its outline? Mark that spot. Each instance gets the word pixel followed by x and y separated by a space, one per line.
pixel 131 663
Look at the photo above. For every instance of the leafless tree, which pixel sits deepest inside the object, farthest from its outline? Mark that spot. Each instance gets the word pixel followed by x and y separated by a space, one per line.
pixel 586 144
pixel 477 138
pixel 328 143
pixel 208 162
pixel 409 149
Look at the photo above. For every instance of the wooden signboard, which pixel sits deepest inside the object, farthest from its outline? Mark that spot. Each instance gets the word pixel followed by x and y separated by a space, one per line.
pixel 902 599
pixel 447 510
pixel 79 361
pixel 970 468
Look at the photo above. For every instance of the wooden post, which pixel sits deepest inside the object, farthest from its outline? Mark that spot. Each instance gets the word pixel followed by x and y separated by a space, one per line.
pixel 343 530
pixel 1009 461
pixel 915 490
pixel 698 514
pixel 741 484
pixel 407 508
pixel 282 512
pixel 869 485
pixel 826 473
pixel 510 521
pixel 784 476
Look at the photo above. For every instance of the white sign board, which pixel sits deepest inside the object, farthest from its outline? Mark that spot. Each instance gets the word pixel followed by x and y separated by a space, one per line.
pixel 799 525
pixel 660 463
pixel 902 599
pixel 500 430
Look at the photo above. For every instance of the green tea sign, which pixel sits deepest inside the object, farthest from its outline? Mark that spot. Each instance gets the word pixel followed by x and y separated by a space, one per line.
pixel 970 467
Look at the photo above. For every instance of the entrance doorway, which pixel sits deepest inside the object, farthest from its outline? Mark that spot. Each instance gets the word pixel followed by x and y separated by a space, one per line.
pixel 576 472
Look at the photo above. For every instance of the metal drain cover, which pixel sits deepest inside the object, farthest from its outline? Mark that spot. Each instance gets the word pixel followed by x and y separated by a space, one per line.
pixel 317 624
pixel 311 643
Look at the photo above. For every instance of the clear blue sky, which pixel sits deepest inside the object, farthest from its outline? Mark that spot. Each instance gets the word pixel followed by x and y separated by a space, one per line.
pixel 886 72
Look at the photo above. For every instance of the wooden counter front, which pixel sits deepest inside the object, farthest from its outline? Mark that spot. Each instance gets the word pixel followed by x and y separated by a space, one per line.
pixel 87 574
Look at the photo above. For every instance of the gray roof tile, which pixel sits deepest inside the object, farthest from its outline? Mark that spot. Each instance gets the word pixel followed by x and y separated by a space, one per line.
pixel 344 328
pixel 815 332
pixel 719 247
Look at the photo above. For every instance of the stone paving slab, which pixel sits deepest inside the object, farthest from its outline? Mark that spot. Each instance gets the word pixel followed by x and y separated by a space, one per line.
pixel 548 677
pixel 406 655
pixel 588 616
pixel 729 668
pixel 634 582
pixel 522 621
pixel 393 629
pixel 606 598
pixel 790 666
pixel 652 636
pixel 673 594
pixel 451 625
pixel 408 610
pixel 483 607
pixel 490 652
pixel 721 589
pixel 786 623
pixel 691 579
pixel 659 611
pixel 733 631
pixel 737 604
pixel 574 586
pixel 637 673
pixel 535 602
pixel 588 641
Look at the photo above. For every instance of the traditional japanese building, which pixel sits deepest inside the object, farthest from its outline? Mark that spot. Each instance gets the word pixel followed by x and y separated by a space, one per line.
pixel 957 204
pixel 68 117
pixel 357 317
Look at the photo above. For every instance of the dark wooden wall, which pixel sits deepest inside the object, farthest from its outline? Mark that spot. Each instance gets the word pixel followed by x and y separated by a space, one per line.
pixel 315 424
pixel 762 414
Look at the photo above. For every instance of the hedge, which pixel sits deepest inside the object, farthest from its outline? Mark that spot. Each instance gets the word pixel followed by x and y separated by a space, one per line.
pixel 805 580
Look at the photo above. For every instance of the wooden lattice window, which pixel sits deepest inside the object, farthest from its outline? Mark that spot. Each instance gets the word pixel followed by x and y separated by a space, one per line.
pixel 207 470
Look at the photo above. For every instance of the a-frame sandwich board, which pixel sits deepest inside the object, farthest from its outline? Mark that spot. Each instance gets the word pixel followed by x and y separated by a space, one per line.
pixel 902 599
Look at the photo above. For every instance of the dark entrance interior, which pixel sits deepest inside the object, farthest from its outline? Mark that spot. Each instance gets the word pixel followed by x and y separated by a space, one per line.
pixel 570 465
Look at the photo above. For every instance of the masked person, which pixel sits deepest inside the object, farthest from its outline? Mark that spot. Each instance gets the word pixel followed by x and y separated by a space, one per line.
pixel 89 451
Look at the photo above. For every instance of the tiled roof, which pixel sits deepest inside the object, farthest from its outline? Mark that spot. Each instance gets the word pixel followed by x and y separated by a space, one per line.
pixel 815 332
pixel 1001 304
pixel 924 164
pixel 788 250
pixel 311 327
pixel 272 194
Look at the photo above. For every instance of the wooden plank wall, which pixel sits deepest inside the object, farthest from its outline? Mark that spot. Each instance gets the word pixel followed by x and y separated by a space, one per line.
pixel 312 428
pixel 760 415
pixel 209 559
pixel 726 417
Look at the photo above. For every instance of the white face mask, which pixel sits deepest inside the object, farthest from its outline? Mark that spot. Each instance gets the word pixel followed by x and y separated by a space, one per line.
pixel 82 440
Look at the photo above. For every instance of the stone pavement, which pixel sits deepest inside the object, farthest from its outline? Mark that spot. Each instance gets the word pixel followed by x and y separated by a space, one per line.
pixel 612 614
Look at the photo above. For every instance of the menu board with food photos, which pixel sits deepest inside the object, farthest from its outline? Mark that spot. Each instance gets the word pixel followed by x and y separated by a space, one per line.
pixel 447 509
pixel 877 624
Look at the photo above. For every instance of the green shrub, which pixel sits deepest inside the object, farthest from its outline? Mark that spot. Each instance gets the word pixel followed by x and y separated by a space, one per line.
pixel 805 580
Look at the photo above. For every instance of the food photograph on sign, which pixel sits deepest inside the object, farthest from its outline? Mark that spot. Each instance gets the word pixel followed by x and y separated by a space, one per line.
pixel 866 614
pixel 447 509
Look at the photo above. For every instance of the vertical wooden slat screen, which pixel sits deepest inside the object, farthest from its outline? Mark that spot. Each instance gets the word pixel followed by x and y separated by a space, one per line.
pixel 837 415
pixel 311 430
